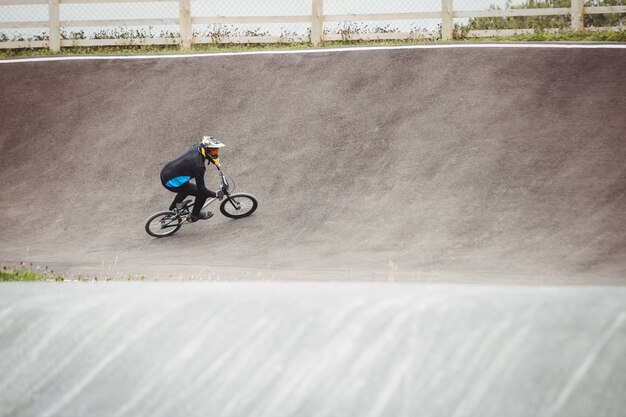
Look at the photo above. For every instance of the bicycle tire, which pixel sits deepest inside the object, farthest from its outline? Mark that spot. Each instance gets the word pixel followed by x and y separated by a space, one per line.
pixel 238 205
pixel 158 225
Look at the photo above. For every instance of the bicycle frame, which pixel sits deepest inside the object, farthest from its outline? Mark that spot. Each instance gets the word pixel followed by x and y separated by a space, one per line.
pixel 224 185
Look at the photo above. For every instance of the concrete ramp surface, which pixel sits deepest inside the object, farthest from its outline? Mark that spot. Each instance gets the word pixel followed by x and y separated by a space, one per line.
pixel 316 349
pixel 482 164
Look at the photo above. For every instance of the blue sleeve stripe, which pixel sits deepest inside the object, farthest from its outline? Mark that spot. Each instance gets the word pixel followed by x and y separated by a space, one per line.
pixel 177 182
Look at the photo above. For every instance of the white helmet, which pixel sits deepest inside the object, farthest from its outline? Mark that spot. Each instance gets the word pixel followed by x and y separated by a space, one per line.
pixel 209 148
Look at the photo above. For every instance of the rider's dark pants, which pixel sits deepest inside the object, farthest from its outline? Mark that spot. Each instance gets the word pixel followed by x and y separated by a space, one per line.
pixel 185 190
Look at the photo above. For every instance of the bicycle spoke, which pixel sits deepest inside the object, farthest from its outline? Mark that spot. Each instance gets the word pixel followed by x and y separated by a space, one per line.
pixel 163 224
pixel 238 205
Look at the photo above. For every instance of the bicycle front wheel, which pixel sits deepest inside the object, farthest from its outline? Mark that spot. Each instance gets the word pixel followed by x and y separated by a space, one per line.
pixel 163 223
pixel 238 205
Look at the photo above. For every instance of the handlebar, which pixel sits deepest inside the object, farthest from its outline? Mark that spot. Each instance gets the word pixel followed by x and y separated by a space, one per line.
pixel 225 186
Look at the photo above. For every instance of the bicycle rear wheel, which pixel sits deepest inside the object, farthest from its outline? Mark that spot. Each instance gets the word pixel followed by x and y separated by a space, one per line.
pixel 238 205
pixel 163 223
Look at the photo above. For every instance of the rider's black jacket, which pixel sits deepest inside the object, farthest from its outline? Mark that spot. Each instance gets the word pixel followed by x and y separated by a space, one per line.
pixel 189 165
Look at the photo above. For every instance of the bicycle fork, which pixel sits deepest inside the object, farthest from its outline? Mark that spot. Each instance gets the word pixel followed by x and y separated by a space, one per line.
pixel 235 204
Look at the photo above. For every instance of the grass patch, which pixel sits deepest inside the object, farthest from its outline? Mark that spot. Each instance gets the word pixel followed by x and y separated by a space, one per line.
pixel 23 271
pixel 148 50
pixel 565 36
pixel 199 48
pixel 25 274
pixel 619 36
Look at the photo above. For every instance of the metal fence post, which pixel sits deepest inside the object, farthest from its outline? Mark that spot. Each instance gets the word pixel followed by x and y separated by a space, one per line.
pixel 578 15
pixel 186 33
pixel 317 22
pixel 55 25
pixel 447 23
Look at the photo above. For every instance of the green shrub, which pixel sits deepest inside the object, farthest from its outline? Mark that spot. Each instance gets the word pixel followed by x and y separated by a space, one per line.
pixel 21 275
pixel 540 23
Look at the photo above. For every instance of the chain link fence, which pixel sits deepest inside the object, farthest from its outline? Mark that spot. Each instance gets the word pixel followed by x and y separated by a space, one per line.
pixel 371 19
pixel 36 23
pixel 34 16
pixel 158 20
pixel 247 19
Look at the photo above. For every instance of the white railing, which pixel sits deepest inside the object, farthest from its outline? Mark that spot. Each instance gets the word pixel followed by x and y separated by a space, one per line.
pixel 185 21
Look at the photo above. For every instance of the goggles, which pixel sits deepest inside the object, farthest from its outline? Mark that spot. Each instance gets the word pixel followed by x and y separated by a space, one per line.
pixel 213 152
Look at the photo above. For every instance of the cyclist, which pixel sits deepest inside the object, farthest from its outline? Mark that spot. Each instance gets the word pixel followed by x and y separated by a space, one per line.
pixel 176 174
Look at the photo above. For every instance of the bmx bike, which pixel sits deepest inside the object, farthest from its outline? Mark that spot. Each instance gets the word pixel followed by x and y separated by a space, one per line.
pixel 234 206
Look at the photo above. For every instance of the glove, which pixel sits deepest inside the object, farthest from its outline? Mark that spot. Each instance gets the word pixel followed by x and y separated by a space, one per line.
pixel 219 195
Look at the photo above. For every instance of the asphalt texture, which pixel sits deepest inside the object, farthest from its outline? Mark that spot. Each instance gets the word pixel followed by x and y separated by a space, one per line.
pixel 486 178
pixel 494 164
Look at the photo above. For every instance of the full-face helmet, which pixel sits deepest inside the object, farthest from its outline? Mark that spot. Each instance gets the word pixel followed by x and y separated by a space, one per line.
pixel 209 148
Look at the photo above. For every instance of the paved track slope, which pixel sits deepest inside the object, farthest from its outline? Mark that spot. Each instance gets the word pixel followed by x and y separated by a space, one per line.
pixel 310 349
pixel 494 164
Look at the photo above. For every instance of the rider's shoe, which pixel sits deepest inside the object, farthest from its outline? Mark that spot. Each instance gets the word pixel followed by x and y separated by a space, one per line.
pixel 202 216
